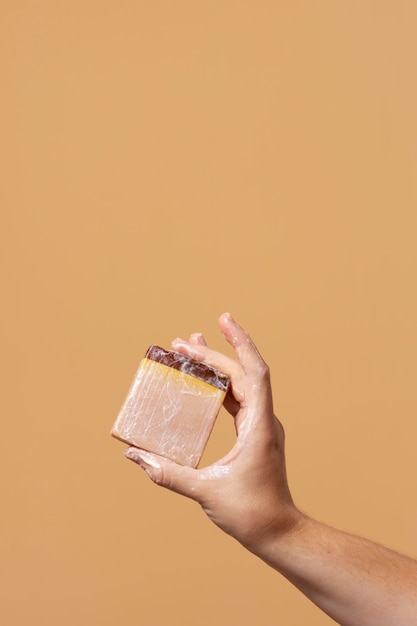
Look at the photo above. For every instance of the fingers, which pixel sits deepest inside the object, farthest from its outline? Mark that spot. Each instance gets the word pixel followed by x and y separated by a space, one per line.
pixel 249 374
pixel 199 351
pixel 197 339
pixel 257 392
pixel 167 473
pixel 248 355
pixel 246 350
pixel 231 405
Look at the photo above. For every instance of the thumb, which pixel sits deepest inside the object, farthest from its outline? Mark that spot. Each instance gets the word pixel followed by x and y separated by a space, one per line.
pixel 167 473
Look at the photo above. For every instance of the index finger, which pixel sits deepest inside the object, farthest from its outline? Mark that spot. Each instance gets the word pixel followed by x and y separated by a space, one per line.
pixel 201 352
pixel 249 360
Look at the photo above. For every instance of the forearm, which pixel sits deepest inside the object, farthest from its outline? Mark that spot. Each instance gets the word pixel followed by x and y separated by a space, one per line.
pixel 353 580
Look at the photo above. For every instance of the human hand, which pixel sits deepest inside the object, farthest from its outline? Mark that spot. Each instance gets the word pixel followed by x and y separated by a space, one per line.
pixel 246 492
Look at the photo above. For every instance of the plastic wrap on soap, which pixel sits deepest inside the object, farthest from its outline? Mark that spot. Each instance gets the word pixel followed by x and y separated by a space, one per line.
pixel 171 406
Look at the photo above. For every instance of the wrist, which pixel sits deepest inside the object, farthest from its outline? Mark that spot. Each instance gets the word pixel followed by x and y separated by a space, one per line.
pixel 281 530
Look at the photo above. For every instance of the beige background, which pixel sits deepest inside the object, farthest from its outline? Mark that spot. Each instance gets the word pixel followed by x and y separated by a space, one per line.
pixel 165 161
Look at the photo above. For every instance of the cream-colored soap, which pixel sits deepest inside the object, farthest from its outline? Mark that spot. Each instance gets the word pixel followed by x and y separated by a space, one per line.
pixel 169 412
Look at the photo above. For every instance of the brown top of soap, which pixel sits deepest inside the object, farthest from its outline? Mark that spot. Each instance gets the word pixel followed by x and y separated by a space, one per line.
pixel 184 364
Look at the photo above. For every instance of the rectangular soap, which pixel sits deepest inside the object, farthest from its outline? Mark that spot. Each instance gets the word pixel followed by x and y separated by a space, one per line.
pixel 171 406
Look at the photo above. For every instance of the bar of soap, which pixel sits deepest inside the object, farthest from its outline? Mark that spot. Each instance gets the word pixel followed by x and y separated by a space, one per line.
pixel 171 406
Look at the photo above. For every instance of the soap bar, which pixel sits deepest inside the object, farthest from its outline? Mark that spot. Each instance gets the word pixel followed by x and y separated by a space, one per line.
pixel 171 406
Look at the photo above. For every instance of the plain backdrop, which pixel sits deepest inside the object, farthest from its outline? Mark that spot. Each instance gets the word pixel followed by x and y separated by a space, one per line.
pixel 163 162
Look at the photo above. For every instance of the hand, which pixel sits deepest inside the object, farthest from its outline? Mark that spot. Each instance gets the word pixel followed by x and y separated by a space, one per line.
pixel 245 493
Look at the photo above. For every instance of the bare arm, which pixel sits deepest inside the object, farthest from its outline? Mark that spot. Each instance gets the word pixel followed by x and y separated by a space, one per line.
pixel 355 581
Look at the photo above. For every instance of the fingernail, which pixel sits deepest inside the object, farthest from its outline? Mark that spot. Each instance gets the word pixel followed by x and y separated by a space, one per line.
pixel 185 347
pixel 178 341
pixel 142 457
pixel 198 337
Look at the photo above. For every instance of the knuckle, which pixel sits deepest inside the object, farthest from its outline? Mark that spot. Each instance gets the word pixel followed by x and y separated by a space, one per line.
pixel 163 477
pixel 264 372
pixel 158 479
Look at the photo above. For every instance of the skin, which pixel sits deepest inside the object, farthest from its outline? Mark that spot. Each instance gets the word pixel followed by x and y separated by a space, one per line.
pixel 353 580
